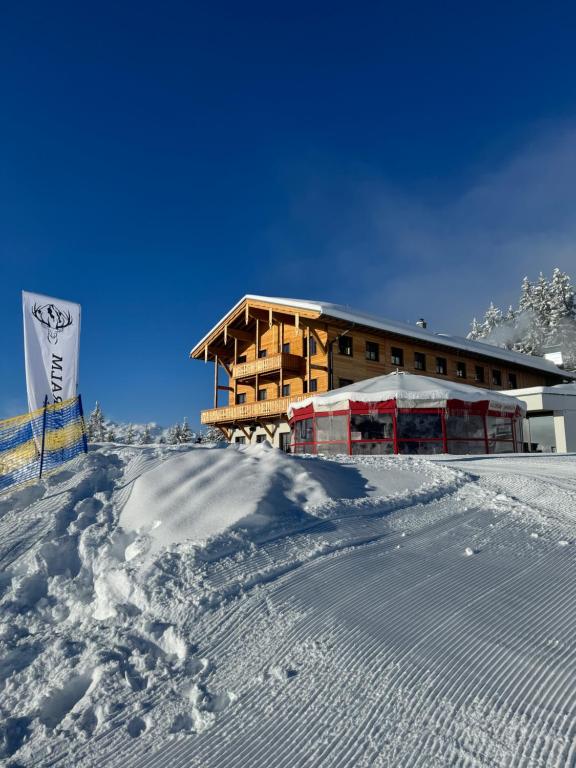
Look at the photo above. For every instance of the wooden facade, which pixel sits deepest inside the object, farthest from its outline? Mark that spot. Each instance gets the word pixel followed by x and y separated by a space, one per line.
pixel 266 354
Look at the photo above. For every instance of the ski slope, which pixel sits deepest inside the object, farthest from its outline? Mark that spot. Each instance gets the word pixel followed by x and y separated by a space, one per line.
pixel 177 606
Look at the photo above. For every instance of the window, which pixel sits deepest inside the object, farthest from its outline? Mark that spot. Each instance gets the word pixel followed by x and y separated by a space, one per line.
pixel 313 346
pixel 479 374
pixel 397 356
pixel 263 353
pixel 468 427
pixel 241 359
pixel 461 370
pixel 285 390
pixel 240 440
pixel 496 377
pixel 345 345
pixel 303 431
pixel 262 394
pixel 512 381
pixel 313 385
pixel 419 361
pixel 240 398
pixel 419 426
pixel 372 351
pixel 286 347
pixel 441 365
pixel 260 438
pixel 332 429
pixel 344 382
pixel 379 426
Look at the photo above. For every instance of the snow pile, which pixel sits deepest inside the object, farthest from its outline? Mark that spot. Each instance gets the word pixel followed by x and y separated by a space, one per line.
pixel 202 493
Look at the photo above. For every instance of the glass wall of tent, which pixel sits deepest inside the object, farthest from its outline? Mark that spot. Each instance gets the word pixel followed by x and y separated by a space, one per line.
pixel 465 429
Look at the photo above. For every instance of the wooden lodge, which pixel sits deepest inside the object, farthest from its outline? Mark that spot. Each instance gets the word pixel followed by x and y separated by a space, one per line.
pixel 269 352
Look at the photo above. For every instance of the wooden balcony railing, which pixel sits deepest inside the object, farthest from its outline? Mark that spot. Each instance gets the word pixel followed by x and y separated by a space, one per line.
pixel 268 365
pixel 248 411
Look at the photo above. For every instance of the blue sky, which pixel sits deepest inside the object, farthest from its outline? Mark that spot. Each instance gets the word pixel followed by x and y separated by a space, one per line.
pixel 158 161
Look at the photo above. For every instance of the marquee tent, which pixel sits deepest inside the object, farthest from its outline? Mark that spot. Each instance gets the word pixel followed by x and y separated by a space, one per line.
pixel 408 414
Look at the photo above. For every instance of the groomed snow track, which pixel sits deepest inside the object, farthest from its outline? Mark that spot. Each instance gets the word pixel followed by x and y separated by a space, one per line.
pixel 432 628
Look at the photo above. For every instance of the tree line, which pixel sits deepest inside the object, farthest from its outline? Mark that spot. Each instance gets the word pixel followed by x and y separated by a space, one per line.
pixel 544 318
pixel 100 430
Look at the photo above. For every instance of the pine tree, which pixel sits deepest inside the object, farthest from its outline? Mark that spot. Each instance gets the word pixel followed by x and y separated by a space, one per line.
pixel 475 330
pixel 110 435
pixel 186 434
pixel 493 318
pixel 174 435
pixel 146 437
pixel 96 430
pixel 562 319
pixel 130 435
pixel 211 435
pixel 546 317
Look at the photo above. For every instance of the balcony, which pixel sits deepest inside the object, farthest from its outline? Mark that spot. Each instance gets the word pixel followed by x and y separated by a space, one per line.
pixel 249 411
pixel 268 365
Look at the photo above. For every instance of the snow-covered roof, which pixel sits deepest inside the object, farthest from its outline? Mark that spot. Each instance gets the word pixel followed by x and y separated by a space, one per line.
pixel 556 389
pixel 358 317
pixel 410 391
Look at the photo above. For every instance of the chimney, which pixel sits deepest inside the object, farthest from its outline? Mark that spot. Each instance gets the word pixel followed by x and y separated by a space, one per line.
pixel 421 323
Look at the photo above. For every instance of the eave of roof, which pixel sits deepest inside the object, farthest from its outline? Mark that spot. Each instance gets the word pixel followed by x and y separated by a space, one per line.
pixel 356 317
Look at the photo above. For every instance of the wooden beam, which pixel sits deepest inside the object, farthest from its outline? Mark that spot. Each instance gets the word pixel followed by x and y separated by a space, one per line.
pixel 322 346
pixel 222 388
pixel 216 382
pixel 247 435
pixel 227 433
pixel 226 368
pixel 236 333
pixel 308 358
pixel 257 338
pixel 265 428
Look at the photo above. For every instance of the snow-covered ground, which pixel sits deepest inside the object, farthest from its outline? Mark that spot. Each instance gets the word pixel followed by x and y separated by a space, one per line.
pixel 191 606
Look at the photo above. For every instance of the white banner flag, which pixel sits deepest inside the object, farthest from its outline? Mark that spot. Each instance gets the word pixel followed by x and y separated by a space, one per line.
pixel 51 348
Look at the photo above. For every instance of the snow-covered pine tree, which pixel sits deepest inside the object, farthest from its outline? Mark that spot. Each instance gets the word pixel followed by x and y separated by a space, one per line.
pixel 186 434
pixel 130 435
pixel 174 435
pixel 110 435
pixel 475 330
pixel 96 430
pixel 546 317
pixel 146 436
pixel 562 317
pixel 211 435
pixel 493 318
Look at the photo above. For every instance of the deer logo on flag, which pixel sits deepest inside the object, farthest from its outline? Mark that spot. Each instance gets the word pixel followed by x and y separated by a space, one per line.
pixel 53 318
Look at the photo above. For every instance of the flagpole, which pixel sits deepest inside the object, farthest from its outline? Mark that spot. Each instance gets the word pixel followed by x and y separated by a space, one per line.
pixel 43 436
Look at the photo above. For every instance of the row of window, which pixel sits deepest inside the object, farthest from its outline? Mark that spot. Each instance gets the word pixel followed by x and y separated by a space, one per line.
pixel 415 426
pixel 441 367
pixel 263 393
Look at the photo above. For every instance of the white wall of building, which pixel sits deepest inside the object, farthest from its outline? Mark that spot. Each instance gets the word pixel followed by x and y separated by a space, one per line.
pixel 279 428
pixel 560 402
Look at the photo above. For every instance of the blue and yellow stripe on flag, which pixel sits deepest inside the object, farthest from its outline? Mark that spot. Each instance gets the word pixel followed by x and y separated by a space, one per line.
pixel 58 428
